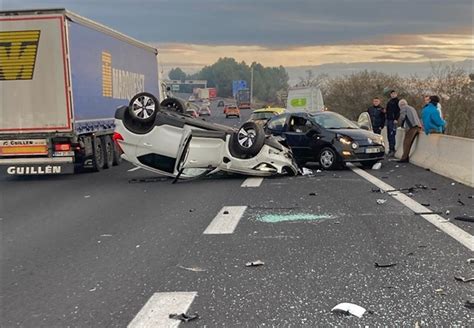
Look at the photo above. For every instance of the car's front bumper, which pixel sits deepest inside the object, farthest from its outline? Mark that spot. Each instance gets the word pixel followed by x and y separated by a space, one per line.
pixel 361 155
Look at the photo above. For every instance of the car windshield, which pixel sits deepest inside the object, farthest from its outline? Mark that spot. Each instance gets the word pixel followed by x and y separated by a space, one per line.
pixel 261 116
pixel 330 120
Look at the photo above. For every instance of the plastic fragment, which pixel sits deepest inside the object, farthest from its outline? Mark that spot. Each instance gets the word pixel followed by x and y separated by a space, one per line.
pixel 87 196
pixel 440 291
pixel 193 269
pixel 471 260
pixel 191 210
pixel 452 183
pixel 460 202
pixel 226 212
pixel 384 265
pixel 254 263
pixel 447 212
pixel 306 172
pixel 469 304
pixel 349 309
pixel 464 218
pixel 312 194
pixel 425 204
pixel 381 201
pixel 184 317
pixel 377 166
pixel 462 279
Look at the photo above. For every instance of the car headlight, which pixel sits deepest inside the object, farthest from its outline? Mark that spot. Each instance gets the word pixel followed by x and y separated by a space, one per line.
pixel 345 140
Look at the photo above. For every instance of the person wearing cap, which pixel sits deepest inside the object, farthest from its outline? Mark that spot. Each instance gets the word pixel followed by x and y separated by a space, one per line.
pixel 432 121
pixel 410 121
pixel 392 113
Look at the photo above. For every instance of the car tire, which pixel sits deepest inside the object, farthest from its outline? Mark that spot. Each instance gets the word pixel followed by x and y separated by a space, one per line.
pixel 98 160
pixel 248 140
pixel 368 164
pixel 108 147
pixel 143 107
pixel 327 158
pixel 173 104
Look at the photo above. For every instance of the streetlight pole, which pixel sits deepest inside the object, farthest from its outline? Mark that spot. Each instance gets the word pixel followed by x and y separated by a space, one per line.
pixel 251 86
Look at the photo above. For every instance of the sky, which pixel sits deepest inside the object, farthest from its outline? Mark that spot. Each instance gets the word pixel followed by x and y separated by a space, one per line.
pixel 194 33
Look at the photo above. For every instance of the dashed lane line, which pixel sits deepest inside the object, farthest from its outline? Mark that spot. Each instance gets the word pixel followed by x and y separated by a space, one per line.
pixel 252 183
pixel 226 220
pixel 438 221
pixel 155 313
pixel 134 168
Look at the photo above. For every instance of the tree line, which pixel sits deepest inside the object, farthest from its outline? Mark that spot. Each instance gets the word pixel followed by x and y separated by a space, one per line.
pixel 268 82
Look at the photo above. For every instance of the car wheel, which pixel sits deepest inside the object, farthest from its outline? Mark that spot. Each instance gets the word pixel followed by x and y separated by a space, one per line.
pixel 108 147
pixel 248 140
pixel 368 164
pixel 328 158
pixel 173 104
pixel 143 107
pixel 99 155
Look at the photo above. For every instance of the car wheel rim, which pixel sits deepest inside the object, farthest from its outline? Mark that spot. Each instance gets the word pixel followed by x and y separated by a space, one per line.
pixel 143 107
pixel 327 158
pixel 246 138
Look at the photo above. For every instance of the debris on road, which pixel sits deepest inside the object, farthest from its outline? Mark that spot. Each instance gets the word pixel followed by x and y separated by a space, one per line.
pixel 471 260
pixel 312 194
pixel 87 196
pixel 447 212
pixel 93 289
pixel 191 210
pixel 462 279
pixel 378 190
pixel 183 317
pixel 381 201
pixel 440 291
pixel 464 218
pixel 106 235
pixel 384 265
pixel 306 172
pixel 425 204
pixel 349 309
pixel 254 263
pixel 460 202
pixel 427 213
pixel 226 212
pixel 377 166
pixel 193 269
pixel 469 304
pixel 152 179
pixel 453 183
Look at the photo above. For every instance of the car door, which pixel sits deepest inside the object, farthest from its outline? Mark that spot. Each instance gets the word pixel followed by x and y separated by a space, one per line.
pixel 364 122
pixel 299 137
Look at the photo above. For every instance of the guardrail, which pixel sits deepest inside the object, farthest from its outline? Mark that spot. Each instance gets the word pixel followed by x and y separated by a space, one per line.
pixel 449 156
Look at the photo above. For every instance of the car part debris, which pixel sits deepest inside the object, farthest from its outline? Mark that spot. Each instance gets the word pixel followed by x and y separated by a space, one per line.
pixel 225 212
pixel 464 218
pixel 384 265
pixel 381 201
pixel 460 202
pixel 191 210
pixel 469 304
pixel 453 183
pixel 425 204
pixel 420 186
pixel 193 269
pixel 184 317
pixel 427 213
pixel 306 172
pixel 460 278
pixel 377 166
pixel 440 291
pixel 349 309
pixel 254 263
pixel 152 179
pixel 471 260
pixel 447 212
pixel 378 190
pixel 312 194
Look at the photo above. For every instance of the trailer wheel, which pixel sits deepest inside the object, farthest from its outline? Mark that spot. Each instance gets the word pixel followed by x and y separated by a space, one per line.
pixel 143 107
pixel 99 155
pixel 108 147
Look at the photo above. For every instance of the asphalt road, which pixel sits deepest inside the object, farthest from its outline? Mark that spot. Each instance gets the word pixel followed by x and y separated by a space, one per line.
pixel 89 250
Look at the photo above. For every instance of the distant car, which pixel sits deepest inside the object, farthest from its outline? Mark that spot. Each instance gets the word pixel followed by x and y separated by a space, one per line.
pixel 159 138
pixel 192 112
pixel 231 110
pixel 262 115
pixel 204 111
pixel 328 138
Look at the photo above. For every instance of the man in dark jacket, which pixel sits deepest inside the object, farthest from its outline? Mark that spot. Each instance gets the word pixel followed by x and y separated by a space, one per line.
pixel 377 115
pixel 392 113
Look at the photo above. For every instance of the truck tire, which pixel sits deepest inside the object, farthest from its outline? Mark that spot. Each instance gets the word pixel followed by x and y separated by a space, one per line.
pixel 108 147
pixel 248 140
pixel 99 155
pixel 173 104
pixel 143 107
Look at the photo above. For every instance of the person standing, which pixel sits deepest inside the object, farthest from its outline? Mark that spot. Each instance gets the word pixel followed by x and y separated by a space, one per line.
pixel 410 121
pixel 432 121
pixel 377 115
pixel 392 113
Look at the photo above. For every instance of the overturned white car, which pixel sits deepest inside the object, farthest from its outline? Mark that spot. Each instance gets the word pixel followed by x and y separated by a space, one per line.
pixel 162 139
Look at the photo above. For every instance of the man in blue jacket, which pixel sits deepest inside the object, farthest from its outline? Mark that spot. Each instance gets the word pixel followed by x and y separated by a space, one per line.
pixel 392 113
pixel 377 115
pixel 432 121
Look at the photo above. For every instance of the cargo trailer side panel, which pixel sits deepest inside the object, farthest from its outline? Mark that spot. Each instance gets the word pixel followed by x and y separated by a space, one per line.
pixel 106 72
pixel 33 75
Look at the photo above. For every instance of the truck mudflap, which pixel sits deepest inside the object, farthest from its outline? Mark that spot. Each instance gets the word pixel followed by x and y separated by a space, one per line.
pixel 36 166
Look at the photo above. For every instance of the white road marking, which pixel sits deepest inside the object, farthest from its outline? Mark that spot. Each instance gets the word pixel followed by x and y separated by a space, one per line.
pixel 252 183
pixel 226 220
pixel 438 221
pixel 134 169
pixel 155 313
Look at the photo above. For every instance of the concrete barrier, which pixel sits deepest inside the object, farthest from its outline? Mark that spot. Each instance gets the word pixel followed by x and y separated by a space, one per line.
pixel 452 157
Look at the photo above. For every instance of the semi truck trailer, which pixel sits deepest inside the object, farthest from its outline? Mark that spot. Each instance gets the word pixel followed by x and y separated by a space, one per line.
pixel 61 78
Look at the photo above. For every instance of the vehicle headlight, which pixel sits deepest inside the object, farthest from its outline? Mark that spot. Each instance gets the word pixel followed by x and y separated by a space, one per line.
pixel 345 140
pixel 354 145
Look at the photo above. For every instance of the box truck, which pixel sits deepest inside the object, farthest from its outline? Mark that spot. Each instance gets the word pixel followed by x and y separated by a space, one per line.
pixel 61 78
pixel 305 99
